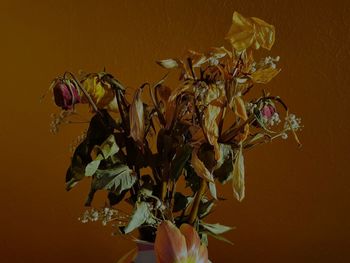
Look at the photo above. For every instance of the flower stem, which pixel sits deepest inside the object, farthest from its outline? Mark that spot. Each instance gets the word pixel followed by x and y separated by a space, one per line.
pixel 195 206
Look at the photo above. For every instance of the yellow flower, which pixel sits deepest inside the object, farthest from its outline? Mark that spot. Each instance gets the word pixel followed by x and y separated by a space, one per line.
pixel 246 32
pixel 101 92
pixel 182 245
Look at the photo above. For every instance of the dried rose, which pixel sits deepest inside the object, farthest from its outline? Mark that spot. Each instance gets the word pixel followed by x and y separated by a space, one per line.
pixel 66 94
pixel 268 111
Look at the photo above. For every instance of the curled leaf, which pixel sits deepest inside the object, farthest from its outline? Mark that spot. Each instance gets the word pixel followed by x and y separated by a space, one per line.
pixel 238 176
pixel 168 63
pixel 246 32
pixel 137 120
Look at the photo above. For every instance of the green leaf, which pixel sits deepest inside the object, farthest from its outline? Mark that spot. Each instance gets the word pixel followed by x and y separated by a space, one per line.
pixel 224 173
pixel 192 179
pixel 205 207
pixel 204 239
pixel 216 229
pixel 115 179
pixel 225 153
pixel 182 156
pixel 218 237
pixel 101 126
pixel 107 149
pixel 141 215
pixel 181 202
pixel 238 176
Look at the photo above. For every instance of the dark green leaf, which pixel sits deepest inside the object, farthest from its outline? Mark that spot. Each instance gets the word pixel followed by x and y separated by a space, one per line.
pixel 182 156
pixel 181 201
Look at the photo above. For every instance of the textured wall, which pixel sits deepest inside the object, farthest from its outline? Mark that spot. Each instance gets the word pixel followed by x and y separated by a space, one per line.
pixel 297 203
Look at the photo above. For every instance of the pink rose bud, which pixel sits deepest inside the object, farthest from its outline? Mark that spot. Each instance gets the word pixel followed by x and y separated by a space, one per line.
pixel 66 94
pixel 267 111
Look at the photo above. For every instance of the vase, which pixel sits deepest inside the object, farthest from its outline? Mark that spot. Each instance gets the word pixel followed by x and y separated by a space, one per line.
pixel 145 252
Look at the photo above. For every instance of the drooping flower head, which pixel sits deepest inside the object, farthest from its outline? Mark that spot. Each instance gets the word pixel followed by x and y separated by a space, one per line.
pixel 66 94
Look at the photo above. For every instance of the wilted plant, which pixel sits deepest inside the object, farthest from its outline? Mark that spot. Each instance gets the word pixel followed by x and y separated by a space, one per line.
pixel 200 128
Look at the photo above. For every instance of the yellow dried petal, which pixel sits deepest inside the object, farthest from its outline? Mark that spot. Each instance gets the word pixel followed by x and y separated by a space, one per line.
pixel 246 32
pixel 211 128
pixel 264 75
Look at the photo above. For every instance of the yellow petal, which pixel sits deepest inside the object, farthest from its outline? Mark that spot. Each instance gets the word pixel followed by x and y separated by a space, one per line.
pixel 211 128
pixel 170 244
pixel 264 75
pixel 136 115
pixel 100 92
pixel 264 34
pixel 246 32
pixel 242 32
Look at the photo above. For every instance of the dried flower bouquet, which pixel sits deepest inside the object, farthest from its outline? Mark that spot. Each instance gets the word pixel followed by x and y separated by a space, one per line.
pixel 194 134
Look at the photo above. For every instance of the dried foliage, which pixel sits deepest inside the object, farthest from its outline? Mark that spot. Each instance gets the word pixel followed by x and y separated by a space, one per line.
pixel 202 128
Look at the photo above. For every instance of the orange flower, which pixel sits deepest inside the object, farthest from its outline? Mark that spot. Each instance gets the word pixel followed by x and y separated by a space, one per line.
pixel 182 245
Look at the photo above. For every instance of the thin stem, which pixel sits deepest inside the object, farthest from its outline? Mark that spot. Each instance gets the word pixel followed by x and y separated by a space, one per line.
pixel 196 202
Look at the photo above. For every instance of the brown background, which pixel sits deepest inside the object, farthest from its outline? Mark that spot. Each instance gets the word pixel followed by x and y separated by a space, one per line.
pixel 297 203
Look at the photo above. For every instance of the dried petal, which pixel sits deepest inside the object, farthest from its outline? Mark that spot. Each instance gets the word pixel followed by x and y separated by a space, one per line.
pixel 100 91
pixel 137 121
pixel 246 32
pixel 264 75
pixel 168 63
pixel 210 127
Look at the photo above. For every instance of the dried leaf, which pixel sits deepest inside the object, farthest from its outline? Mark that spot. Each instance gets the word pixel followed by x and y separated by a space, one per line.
pixel 179 90
pixel 264 75
pixel 246 32
pixel 210 127
pixel 200 168
pixel 239 108
pixel 216 229
pixel 238 176
pixel 137 120
pixel 168 63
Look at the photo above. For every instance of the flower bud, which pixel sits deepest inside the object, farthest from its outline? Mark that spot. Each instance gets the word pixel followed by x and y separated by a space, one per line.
pixel 66 94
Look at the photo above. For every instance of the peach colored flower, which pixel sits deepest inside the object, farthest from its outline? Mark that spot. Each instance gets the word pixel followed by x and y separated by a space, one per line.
pixel 182 245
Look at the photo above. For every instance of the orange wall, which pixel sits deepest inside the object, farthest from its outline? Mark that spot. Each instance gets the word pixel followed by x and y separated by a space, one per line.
pixel 297 204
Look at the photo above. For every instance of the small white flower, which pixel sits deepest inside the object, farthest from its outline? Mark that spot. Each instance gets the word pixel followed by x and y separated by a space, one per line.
pixel 292 123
